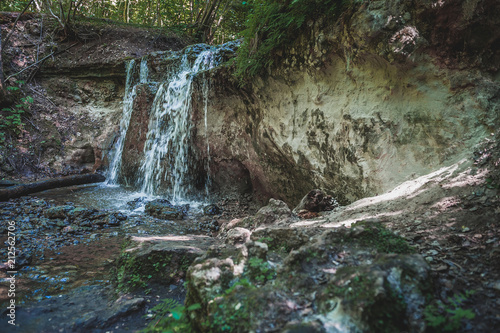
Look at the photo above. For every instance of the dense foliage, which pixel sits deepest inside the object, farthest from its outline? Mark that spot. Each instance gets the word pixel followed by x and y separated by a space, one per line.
pixel 213 21
pixel 273 24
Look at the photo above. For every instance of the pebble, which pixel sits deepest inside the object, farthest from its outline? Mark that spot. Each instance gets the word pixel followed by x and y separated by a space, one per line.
pixel 441 268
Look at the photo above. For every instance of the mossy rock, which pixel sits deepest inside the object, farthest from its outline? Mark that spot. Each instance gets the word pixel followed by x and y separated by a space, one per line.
pixel 376 236
pixel 163 259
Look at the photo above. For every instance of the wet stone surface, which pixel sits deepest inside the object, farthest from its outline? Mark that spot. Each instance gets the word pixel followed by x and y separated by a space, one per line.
pixel 39 225
pixel 67 253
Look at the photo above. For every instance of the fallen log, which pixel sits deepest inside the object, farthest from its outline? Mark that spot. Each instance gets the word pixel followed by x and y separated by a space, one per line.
pixel 25 189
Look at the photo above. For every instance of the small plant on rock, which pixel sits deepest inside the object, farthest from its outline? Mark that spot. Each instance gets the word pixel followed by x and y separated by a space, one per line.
pixel 448 317
pixel 170 316
pixel 260 270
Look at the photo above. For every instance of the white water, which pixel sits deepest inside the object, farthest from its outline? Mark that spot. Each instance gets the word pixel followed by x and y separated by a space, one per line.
pixel 167 149
pixel 167 166
pixel 128 101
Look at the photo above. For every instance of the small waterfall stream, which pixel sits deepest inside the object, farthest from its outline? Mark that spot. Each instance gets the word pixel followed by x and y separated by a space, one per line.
pixel 128 100
pixel 168 157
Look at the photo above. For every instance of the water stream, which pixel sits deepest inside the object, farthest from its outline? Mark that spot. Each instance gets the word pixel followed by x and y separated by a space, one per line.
pixel 166 170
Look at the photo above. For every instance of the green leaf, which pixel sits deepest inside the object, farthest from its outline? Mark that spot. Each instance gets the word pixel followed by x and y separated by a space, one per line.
pixel 193 307
pixel 177 313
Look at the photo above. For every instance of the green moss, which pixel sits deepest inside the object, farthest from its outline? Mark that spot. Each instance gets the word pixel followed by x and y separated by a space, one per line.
pixel 133 273
pixel 378 237
pixel 383 312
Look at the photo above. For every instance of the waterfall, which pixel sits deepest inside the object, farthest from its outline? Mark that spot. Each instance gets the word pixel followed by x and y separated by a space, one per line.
pixel 169 167
pixel 167 148
pixel 206 88
pixel 128 101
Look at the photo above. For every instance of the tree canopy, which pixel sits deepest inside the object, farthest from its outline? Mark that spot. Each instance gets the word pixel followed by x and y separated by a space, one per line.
pixel 212 21
pixel 267 26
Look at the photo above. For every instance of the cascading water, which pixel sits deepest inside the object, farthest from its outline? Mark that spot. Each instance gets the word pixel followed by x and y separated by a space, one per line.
pixel 167 166
pixel 128 100
pixel 167 146
pixel 206 88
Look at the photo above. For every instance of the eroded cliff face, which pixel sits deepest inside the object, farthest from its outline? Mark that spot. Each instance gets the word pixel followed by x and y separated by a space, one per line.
pixel 388 91
pixel 77 93
pixel 87 84
pixel 357 107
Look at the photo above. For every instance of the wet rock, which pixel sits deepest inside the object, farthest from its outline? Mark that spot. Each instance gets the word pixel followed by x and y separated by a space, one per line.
pixel 238 236
pixel 136 203
pixel 206 227
pixel 496 285
pixel 71 229
pixel 23 258
pixel 58 212
pixel 212 210
pixel 316 201
pixel 115 219
pixel 163 209
pixel 80 213
pixel 163 259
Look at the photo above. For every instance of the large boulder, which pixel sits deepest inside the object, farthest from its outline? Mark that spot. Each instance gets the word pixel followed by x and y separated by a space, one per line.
pixel 359 279
pixel 58 212
pixel 161 259
pixel 316 201
pixel 163 209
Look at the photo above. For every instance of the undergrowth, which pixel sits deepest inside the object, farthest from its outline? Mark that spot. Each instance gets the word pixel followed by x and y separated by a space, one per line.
pixel 448 317
pixel 11 117
pixel 274 24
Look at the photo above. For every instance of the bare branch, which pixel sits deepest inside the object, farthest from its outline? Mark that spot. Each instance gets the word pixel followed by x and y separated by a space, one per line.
pixel 42 60
pixel 47 4
pixel 15 22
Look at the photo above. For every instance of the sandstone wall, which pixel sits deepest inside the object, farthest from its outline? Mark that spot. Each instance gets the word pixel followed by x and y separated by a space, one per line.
pixel 357 108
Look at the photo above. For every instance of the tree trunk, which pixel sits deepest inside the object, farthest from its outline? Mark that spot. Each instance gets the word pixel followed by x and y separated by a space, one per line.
pixel 21 190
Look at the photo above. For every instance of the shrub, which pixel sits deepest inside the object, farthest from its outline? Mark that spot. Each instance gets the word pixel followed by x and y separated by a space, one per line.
pixel 274 24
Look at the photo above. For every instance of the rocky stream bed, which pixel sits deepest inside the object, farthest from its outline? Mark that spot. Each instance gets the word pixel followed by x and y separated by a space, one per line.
pixel 381 264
